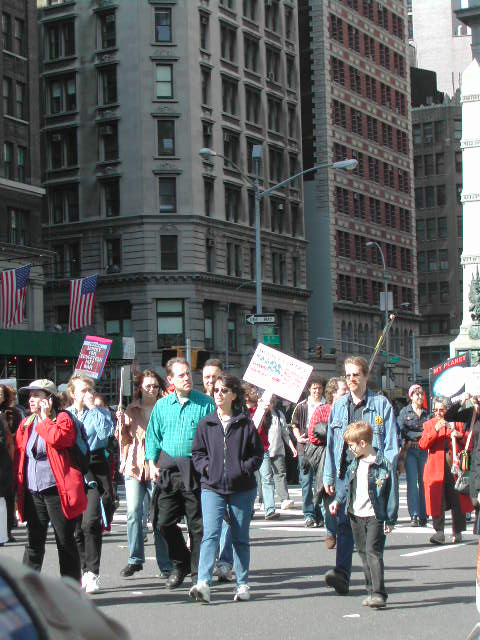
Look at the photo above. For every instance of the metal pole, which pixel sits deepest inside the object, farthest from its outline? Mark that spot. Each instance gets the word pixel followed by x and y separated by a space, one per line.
pixel 387 337
pixel 258 249
pixel 414 359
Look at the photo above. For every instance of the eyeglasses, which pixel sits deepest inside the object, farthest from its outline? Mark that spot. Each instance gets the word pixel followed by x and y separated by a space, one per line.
pixel 352 375
pixel 151 386
pixel 223 390
pixel 440 409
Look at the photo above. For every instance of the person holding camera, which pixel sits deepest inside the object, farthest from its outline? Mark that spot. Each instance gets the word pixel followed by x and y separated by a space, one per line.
pixel 49 487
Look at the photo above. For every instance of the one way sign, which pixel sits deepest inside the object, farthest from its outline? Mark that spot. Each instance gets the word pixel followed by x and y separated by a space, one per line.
pixel 260 319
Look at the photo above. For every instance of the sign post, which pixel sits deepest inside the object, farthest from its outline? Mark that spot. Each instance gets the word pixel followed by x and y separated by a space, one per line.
pixel 256 318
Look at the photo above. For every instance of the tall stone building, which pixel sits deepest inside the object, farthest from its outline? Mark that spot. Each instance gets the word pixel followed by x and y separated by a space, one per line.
pixel 355 103
pixel 21 191
pixel 131 91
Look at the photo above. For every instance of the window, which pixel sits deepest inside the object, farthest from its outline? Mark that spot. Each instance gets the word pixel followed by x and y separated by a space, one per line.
pixel 357 121
pixel 232 203
pixel 207 134
pixel 63 203
pixel 385 95
pixel 343 244
pixel 440 163
pixel 166 137
pixel 228 42
pixel 431 229
pixel 427 133
pixel 443 259
pixel 277 208
pixel 353 38
pixel 432 293
pixel 369 46
pixel 457 129
pixel 113 255
pixel 208 323
pixel 339 114
pixel 118 318
pixel 168 253
pixel 274 114
pixel 459 189
pixel 251 53
pixel 420 226
pixel 344 287
pixel 375 210
pixel 441 195
pixel 67 260
pixel 271 15
pixel 360 248
pixel 233 259
pixel 419 199
pixel 405 259
pixel 291 73
pixel 20 37
pixel 292 121
pixel 6 32
pixel 390 215
pixel 400 103
pixel 355 81
pixel 417 134
pixel 418 166
pixel 252 105
pixel 428 164
pixel 384 56
pixel 338 71
pixel 227 4
pixel 404 219
pixel 231 144
pixel 372 128
pixel 371 88
pixel 431 261
pixel 275 157
pixel 18 228
pixel 7 96
pixel 21 163
pixel 444 291
pixel 61 94
pixel 429 196
pixel 289 23
pixel 170 323
pixel 342 198
pixel 107 30
pixel 422 293
pixel 204 31
pixel 109 198
pixel 163 81
pixel 459 226
pixel 108 142
pixel 359 205
pixel 458 161
pixel 206 86
pixel 60 40
pixel 272 63
pixel 167 190
pixel 63 149
pixel 107 88
pixel 163 25
pixel 250 9
pixel 387 135
pixel 336 28
pixel 208 197
pixel 210 255
pixel 230 96
pixel 421 261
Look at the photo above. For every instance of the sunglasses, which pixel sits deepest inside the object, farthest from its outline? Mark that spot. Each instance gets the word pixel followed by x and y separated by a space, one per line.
pixel 222 390
pixel 151 386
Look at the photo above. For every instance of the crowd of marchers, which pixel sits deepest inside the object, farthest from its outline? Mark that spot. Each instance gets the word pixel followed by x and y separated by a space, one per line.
pixel 199 458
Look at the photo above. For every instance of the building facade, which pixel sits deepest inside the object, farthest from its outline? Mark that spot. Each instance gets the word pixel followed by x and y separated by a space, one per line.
pixel 130 94
pixel 359 101
pixel 437 133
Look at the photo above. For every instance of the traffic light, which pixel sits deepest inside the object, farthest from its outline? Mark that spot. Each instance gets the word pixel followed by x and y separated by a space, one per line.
pixel 172 352
pixel 199 357
pixel 319 351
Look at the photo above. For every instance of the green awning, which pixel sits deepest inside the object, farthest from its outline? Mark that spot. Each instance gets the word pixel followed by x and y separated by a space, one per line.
pixel 48 343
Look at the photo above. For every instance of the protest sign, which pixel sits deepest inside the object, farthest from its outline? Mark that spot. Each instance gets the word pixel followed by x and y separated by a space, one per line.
pixel 472 381
pixel 280 374
pixel 448 378
pixel 92 357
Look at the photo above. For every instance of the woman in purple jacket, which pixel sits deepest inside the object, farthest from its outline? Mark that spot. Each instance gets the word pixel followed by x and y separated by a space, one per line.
pixel 226 452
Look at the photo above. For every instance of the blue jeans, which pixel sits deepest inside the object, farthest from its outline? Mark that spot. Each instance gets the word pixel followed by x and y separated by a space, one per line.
pixel 268 484
pixel 306 481
pixel 135 492
pixel 225 553
pixel 343 561
pixel 330 521
pixel 240 507
pixel 414 465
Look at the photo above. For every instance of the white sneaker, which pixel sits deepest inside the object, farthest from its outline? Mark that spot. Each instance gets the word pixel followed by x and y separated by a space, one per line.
pixel 92 582
pixel 224 573
pixel 287 504
pixel 200 592
pixel 85 579
pixel 242 593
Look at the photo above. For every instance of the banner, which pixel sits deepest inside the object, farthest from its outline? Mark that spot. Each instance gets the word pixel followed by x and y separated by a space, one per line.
pixel 448 378
pixel 278 373
pixel 92 357
pixel 472 380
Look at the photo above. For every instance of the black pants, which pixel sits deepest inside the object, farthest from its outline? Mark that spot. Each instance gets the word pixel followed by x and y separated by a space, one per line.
pixel 40 509
pixel 88 532
pixel 10 500
pixel 450 500
pixel 172 504
pixel 369 537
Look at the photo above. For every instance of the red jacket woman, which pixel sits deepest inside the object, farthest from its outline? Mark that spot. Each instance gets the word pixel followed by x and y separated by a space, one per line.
pixel 50 488
pixel 438 480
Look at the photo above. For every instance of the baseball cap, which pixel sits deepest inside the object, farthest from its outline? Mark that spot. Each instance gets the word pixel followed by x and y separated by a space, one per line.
pixel 39 385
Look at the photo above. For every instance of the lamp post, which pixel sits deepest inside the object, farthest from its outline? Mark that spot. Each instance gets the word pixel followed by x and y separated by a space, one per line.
pixel 373 243
pixel 206 153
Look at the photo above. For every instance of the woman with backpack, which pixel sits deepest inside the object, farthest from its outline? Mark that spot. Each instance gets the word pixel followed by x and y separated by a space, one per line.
pixel 50 487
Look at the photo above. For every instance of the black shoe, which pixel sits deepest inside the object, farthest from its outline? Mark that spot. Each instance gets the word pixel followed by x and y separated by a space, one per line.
pixel 415 522
pixel 175 579
pixel 338 581
pixel 130 569
pixel 422 522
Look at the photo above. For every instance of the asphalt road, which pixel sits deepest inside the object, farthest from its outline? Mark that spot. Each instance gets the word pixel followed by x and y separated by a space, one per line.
pixel 431 589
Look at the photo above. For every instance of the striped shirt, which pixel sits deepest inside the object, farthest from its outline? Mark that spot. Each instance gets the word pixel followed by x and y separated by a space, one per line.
pixel 172 424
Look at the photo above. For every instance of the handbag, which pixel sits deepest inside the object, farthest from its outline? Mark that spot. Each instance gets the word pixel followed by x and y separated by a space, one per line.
pixel 462 483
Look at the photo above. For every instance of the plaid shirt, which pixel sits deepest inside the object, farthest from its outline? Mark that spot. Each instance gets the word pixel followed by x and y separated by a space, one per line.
pixel 172 425
pixel 321 414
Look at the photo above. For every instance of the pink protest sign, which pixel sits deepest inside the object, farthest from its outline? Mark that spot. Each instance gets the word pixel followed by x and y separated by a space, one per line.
pixel 92 357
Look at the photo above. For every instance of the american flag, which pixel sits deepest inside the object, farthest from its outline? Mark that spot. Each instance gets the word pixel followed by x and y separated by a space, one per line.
pixel 14 291
pixel 82 297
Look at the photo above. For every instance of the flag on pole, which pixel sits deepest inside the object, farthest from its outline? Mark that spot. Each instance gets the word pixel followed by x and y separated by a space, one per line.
pixel 82 297
pixel 14 292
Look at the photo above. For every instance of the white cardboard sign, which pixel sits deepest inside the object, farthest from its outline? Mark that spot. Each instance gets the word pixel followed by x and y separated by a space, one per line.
pixel 280 374
pixel 472 380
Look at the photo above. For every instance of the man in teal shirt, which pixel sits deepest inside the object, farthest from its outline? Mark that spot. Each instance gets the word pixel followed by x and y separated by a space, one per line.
pixel 168 447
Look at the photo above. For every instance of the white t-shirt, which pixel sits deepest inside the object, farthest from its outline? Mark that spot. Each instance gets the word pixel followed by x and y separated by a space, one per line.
pixel 311 406
pixel 361 505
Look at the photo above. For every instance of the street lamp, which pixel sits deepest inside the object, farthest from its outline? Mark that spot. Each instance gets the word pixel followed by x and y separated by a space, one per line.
pixel 373 243
pixel 206 154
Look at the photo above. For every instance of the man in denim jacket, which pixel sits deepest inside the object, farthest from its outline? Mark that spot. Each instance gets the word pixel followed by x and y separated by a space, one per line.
pixel 358 404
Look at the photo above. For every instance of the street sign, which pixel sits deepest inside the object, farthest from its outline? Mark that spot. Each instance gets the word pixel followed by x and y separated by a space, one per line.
pixel 260 319
pixel 268 330
pixel 273 341
pixel 394 359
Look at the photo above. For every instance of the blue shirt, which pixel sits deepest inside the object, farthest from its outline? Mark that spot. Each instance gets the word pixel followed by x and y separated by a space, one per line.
pixel 39 472
pixel 98 426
